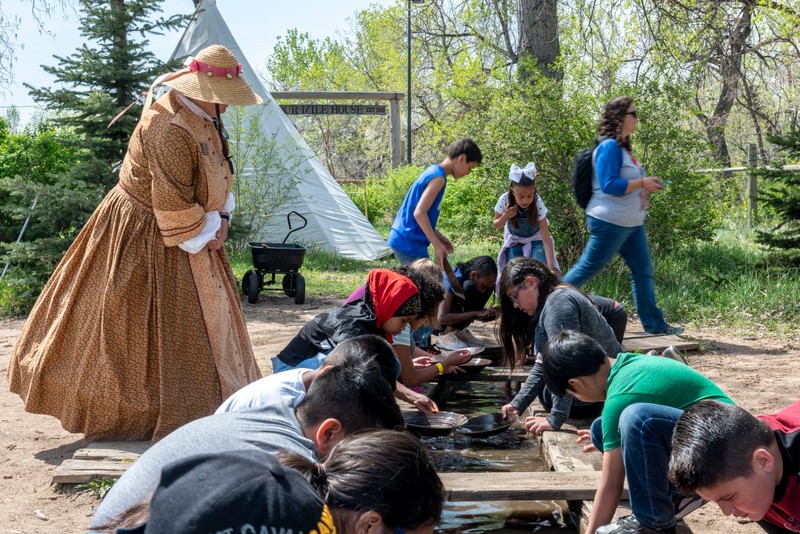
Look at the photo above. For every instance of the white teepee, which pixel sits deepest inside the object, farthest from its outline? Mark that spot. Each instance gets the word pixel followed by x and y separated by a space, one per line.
pixel 334 221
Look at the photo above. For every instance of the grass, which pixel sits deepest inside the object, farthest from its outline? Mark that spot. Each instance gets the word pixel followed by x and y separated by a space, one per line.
pixel 728 282
pixel 97 487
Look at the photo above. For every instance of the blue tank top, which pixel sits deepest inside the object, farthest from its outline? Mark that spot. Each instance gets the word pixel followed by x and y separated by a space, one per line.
pixel 406 234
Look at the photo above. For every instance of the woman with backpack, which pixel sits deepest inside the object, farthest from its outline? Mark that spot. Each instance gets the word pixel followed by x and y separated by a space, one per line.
pixel 616 211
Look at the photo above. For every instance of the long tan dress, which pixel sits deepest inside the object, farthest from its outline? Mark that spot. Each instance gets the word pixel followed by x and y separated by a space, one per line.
pixel 132 337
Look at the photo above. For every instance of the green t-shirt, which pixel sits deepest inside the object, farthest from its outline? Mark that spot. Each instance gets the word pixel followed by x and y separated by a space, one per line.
pixel 638 378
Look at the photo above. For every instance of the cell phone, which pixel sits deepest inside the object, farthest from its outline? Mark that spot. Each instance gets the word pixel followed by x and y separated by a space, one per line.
pixel 665 182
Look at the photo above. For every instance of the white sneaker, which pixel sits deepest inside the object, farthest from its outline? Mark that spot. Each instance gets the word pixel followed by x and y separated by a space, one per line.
pixel 451 341
pixel 468 337
pixel 673 353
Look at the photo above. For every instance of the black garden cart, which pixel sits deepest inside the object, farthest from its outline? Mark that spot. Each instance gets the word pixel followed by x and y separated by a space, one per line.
pixel 274 259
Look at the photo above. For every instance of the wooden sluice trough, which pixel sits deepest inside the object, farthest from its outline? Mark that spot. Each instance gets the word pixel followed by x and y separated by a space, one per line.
pixel 573 477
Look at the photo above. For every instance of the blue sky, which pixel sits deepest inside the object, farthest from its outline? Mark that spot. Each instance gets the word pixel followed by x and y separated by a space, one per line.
pixel 256 24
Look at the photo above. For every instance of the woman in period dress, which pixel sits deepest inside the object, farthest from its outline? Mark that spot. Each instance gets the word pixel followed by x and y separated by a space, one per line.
pixel 140 329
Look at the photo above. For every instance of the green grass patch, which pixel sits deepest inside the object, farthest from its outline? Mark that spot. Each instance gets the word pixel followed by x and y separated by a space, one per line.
pixel 97 487
pixel 726 282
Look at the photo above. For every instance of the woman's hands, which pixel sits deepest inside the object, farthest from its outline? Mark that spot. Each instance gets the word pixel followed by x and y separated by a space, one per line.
pixel 220 237
pixel 651 184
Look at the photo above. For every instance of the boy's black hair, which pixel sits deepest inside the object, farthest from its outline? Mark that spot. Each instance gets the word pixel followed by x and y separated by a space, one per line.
pixel 357 395
pixel 431 292
pixel 714 442
pixel 480 265
pixel 570 354
pixel 367 348
pixel 467 146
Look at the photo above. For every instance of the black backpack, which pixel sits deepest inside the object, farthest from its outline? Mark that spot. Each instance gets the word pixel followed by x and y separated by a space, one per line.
pixel 582 171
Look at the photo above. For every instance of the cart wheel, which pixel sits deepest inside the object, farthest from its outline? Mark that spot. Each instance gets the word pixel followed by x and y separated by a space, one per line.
pixel 300 289
pixel 246 282
pixel 288 287
pixel 253 287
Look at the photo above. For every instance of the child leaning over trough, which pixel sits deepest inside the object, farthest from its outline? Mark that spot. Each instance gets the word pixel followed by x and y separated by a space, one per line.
pixel 644 397
pixel 414 227
pixel 749 466
pixel 377 481
pixel 477 278
pixel 523 215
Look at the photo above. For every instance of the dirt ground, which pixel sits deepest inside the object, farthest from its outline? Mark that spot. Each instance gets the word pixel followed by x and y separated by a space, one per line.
pixel 760 372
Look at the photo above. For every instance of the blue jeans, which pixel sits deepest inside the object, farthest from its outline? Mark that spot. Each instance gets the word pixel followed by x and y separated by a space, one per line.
pixel 537 251
pixel 646 431
pixel 314 362
pixel 605 241
pixel 406 259
pixel 421 337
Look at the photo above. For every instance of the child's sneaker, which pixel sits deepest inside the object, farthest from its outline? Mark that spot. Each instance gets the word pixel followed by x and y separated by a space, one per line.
pixel 673 353
pixel 688 505
pixel 450 341
pixel 631 525
pixel 469 338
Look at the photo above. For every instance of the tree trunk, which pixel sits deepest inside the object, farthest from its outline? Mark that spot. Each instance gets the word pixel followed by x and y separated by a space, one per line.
pixel 538 36
pixel 730 78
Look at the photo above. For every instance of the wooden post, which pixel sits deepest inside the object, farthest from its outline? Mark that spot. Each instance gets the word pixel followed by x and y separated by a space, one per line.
pixel 394 118
pixel 752 186
pixel 366 200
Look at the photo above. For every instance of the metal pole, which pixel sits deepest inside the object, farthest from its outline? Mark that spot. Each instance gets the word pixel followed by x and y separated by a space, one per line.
pixel 408 93
pixel 752 186
pixel 21 232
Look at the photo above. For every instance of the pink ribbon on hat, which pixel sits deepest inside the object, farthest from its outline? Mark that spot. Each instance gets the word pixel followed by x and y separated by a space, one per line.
pixel 212 70
pixel 192 65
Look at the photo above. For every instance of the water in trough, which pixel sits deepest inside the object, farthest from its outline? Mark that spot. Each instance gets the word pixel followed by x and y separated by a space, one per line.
pixel 511 450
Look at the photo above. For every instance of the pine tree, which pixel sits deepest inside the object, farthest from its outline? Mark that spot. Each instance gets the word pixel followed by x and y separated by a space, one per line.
pixel 102 77
pixel 782 196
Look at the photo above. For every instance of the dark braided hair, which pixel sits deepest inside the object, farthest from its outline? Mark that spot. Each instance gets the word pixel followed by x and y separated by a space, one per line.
pixel 480 265
pixel 611 122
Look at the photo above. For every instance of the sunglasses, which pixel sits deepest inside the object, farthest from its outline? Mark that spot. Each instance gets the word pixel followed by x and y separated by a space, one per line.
pixel 635 115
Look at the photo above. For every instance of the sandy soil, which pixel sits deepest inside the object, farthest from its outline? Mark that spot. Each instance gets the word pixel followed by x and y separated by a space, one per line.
pixel 760 372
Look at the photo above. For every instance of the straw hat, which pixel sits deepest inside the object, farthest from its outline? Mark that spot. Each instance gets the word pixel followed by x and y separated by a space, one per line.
pixel 214 75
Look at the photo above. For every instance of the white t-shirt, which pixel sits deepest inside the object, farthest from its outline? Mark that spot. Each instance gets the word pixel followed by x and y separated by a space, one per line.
pixel 267 390
pixel 502 204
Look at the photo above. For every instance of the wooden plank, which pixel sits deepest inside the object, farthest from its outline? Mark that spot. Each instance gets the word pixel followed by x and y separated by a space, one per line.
pixel 563 454
pixel 638 334
pixel 79 471
pixel 117 450
pixel 520 486
pixel 658 343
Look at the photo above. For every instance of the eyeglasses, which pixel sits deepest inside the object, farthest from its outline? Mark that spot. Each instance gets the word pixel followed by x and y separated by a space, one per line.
pixel 635 115
pixel 515 295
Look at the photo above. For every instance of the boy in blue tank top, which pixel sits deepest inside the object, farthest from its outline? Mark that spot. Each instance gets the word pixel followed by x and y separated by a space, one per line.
pixel 414 227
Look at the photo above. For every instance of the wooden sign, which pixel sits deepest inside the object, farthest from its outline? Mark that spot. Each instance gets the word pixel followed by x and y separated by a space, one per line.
pixel 333 109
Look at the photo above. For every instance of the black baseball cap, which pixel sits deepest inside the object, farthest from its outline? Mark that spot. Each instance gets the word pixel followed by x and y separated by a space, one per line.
pixel 237 491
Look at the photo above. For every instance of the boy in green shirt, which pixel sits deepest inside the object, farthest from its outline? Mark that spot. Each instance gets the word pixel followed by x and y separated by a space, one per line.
pixel 644 397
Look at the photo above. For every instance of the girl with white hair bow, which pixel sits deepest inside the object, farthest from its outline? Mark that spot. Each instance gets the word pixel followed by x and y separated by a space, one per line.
pixel 524 216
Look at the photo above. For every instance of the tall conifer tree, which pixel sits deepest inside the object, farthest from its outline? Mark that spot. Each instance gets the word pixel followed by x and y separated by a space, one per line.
pixel 782 195
pixel 102 77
